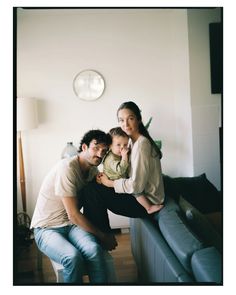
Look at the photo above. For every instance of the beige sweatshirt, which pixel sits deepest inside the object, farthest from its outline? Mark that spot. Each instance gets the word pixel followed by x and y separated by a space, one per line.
pixel 64 180
pixel 145 173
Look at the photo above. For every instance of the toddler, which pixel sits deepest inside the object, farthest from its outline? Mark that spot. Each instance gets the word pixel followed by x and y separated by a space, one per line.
pixel 116 165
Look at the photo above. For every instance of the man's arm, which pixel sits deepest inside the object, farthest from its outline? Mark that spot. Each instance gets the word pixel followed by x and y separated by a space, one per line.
pixel 76 217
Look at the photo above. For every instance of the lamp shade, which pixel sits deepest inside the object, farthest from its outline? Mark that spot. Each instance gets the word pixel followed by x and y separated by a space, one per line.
pixel 26 114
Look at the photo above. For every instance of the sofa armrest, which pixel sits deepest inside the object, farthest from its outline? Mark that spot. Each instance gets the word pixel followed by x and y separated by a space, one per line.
pixel 169 205
pixel 154 258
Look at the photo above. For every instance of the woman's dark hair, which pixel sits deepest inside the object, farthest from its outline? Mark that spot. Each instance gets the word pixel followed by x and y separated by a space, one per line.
pixel 98 135
pixel 142 129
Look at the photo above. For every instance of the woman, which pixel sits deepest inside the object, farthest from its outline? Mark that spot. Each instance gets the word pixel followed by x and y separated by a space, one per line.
pixel 145 175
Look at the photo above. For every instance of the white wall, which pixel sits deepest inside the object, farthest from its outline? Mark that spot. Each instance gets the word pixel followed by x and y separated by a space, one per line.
pixel 206 107
pixel 143 56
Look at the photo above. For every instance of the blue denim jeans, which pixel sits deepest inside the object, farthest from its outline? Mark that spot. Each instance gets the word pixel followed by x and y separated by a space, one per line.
pixel 75 249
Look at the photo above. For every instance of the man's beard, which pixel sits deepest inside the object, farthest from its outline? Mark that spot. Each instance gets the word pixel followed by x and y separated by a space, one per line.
pixel 95 161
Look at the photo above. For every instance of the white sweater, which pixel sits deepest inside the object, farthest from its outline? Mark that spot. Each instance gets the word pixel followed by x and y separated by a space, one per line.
pixel 145 174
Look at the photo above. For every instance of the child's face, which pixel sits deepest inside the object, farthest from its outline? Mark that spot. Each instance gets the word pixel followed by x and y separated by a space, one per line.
pixel 118 144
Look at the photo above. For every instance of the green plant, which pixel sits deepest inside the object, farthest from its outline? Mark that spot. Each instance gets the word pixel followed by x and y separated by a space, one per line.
pixel 157 142
pixel 148 123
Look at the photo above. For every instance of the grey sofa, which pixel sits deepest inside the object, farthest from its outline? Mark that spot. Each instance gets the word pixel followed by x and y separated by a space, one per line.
pixel 179 245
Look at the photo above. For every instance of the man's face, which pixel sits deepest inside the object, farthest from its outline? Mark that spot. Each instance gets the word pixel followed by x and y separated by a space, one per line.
pixel 95 152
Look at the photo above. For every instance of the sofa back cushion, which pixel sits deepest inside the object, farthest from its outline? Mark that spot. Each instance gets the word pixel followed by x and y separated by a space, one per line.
pixel 197 190
pixel 179 237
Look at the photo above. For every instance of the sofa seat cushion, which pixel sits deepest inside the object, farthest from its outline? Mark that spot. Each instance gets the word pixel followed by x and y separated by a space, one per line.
pixel 207 265
pixel 179 237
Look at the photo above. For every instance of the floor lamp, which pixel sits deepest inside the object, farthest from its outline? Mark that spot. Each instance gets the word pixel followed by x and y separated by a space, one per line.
pixel 26 120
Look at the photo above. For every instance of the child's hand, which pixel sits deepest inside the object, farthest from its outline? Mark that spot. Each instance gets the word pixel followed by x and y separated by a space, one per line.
pixel 98 177
pixel 106 181
pixel 124 153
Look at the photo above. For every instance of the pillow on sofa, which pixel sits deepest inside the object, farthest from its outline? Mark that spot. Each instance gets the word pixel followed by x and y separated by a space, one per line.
pixel 200 225
pixel 197 190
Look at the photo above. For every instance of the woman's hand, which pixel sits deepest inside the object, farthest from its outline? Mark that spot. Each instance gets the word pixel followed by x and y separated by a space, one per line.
pixel 103 179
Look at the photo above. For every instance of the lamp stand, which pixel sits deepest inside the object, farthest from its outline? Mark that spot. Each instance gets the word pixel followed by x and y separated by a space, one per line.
pixel 22 174
pixel 23 219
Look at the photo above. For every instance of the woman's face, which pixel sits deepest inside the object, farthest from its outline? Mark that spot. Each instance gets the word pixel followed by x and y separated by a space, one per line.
pixel 128 122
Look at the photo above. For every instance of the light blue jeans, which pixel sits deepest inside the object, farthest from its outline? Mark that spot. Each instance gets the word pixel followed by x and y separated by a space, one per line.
pixel 75 249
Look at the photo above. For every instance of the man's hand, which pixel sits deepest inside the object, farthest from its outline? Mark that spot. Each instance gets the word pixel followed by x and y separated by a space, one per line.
pixel 109 242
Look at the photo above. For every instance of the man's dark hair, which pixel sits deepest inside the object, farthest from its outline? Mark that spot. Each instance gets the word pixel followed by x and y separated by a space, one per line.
pixel 117 131
pixel 98 135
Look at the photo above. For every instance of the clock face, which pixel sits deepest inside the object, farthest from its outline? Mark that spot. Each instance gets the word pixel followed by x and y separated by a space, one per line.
pixel 88 85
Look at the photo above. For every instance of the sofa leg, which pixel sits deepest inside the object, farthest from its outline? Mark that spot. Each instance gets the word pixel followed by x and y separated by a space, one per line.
pixel 140 277
pixel 215 218
pixel 124 230
pixel 39 260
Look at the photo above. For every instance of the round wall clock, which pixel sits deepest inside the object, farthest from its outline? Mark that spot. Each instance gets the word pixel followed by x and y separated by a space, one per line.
pixel 89 85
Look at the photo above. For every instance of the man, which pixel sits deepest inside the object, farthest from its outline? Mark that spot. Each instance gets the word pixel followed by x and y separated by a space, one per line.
pixel 61 231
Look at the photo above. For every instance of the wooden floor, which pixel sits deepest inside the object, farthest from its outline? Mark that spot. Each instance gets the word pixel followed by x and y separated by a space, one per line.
pixel 28 274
